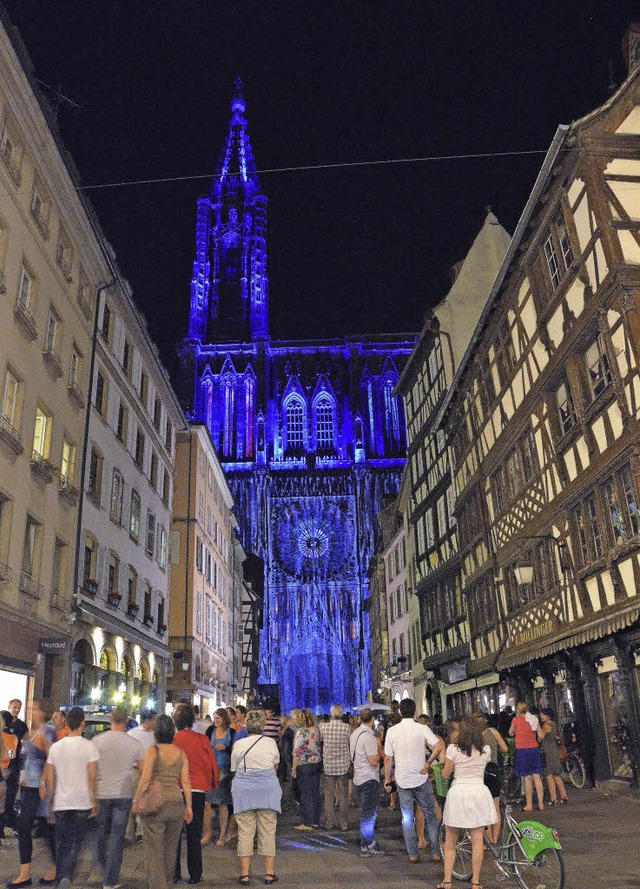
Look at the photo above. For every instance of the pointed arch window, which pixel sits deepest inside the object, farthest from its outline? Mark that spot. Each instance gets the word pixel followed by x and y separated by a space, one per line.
pixel 232 263
pixel 229 393
pixel 249 416
pixel 391 417
pixel 295 425
pixel 324 423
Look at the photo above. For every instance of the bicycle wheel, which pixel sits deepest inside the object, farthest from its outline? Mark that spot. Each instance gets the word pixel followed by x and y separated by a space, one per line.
pixel 576 770
pixel 511 785
pixel 462 863
pixel 545 871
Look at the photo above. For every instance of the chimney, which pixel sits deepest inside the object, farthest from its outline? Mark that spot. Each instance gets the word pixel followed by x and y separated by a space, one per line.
pixel 631 46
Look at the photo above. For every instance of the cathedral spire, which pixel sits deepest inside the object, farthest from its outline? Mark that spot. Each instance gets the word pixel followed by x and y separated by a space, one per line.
pixel 229 284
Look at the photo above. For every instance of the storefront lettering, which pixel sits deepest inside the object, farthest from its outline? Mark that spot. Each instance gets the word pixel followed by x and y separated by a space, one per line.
pixel 535 631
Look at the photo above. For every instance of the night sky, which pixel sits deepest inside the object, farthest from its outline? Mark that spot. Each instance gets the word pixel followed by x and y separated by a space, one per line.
pixel 360 250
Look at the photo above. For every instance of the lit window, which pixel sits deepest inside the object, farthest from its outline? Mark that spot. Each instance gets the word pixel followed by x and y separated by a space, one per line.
pixel 68 464
pixel 41 435
pixel 324 424
pixel 295 425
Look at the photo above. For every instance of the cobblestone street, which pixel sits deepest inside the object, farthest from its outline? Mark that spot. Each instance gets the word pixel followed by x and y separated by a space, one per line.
pixel 599 833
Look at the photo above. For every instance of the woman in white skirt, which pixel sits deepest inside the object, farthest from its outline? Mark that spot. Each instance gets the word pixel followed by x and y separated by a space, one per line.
pixel 468 804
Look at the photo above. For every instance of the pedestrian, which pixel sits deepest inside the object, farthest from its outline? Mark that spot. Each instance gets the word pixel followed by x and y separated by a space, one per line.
pixel 203 775
pixel 70 780
pixel 35 748
pixel 199 725
pixel 221 738
pixel 336 759
pixel 505 718
pixel 119 754
pixel 404 748
pixel 493 771
pixel 527 763
pixel 239 724
pixel 161 830
pixel 18 728
pixel 468 805
pixel 142 733
pixel 365 749
pixel 306 768
pixel 273 728
pixel 551 767
pixel 59 722
pixel 256 796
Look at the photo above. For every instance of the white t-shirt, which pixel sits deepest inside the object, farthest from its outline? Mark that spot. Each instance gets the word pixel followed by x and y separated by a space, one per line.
pixel 533 721
pixel 118 754
pixel 362 745
pixel 405 742
pixel 146 738
pixel 468 766
pixel 262 753
pixel 70 758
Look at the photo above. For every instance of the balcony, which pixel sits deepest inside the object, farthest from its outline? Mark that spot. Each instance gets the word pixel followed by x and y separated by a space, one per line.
pixel 10 435
pixel 29 586
pixel 114 599
pixel 68 491
pixel 26 319
pixel 162 628
pixel 90 587
pixel 75 394
pixel 9 161
pixel 132 609
pixel 53 360
pixel 58 601
pixel 147 620
pixel 43 467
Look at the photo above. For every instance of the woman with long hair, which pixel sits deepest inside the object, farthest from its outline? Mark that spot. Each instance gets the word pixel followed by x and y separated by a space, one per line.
pixel 528 764
pixel 469 804
pixel 306 768
pixel 221 735
pixel 552 769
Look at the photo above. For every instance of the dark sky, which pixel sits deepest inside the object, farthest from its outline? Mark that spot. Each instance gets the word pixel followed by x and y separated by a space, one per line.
pixel 350 250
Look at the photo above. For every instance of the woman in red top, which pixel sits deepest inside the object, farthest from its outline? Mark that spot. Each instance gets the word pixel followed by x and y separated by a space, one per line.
pixel 528 765
pixel 203 773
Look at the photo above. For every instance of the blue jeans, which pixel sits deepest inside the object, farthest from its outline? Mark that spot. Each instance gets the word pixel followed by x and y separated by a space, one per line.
pixel 71 826
pixel 309 783
pixel 368 795
pixel 111 826
pixel 423 795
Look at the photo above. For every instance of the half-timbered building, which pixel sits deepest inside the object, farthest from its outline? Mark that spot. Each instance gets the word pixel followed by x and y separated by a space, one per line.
pixel 544 416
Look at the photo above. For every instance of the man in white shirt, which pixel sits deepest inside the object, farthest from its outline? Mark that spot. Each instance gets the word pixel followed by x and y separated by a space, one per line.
pixel 365 756
pixel 119 754
pixel 69 777
pixel 405 746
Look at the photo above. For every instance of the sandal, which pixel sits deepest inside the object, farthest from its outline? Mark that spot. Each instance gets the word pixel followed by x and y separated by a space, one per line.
pixel 436 859
pixel 444 885
pixel 269 879
pixel 244 879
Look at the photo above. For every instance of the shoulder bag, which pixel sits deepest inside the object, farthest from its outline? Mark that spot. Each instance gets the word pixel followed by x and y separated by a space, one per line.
pixel 150 800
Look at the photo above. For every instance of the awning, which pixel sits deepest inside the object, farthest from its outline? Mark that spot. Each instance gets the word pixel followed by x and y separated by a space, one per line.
pixel 589 634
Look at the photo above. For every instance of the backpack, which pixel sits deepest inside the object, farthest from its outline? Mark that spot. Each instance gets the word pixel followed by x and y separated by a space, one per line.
pixel 10 755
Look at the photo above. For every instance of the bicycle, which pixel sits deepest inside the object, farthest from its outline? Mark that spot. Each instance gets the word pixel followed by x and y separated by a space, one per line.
pixel 511 783
pixel 528 851
pixel 574 769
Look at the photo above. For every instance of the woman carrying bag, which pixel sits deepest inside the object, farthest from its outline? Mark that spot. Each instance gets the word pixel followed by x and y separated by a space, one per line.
pixel 164 766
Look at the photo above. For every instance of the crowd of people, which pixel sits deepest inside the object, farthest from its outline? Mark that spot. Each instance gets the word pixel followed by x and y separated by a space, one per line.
pixel 163 778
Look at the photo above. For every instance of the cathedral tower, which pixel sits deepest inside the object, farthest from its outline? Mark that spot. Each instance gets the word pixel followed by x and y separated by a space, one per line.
pixel 310 436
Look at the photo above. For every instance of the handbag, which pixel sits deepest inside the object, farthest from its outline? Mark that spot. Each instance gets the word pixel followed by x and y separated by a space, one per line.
pixel 150 800
pixel 492 770
pixel 563 753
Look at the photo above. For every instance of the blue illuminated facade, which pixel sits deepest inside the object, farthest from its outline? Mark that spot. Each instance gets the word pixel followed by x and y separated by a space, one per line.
pixel 309 433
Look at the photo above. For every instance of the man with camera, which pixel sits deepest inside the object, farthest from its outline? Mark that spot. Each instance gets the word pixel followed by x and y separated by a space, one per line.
pixel 405 745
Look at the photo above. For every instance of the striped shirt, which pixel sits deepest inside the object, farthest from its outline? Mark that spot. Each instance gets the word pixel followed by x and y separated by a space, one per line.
pixel 272 728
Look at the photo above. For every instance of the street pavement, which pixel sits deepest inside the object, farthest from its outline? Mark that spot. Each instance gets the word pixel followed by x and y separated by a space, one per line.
pixel 599 832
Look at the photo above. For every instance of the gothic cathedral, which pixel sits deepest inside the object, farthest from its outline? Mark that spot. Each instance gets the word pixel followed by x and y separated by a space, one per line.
pixel 310 434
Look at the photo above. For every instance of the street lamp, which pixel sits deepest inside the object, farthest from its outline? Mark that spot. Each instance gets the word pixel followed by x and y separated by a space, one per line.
pixel 523 570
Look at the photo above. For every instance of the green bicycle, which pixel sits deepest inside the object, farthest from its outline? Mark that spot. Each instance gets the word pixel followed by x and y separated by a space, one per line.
pixel 528 851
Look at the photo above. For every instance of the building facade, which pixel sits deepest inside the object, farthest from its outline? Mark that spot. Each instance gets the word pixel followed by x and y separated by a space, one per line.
pixel 436 577
pixel 205 622
pixel 120 636
pixel 309 433
pixel 543 414
pixel 50 269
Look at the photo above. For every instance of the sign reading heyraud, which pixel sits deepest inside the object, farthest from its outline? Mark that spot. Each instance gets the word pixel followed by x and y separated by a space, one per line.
pixel 52 646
